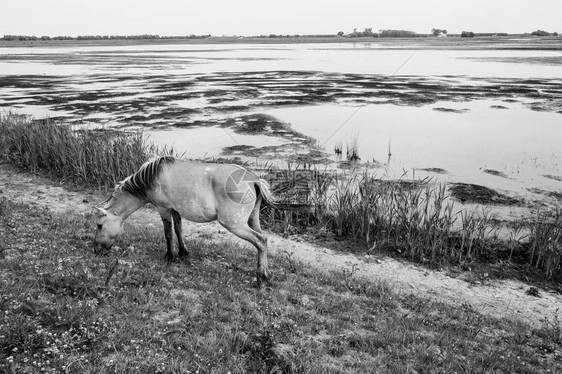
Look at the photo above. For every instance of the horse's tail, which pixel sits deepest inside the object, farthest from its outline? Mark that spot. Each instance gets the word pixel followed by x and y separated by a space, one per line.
pixel 263 189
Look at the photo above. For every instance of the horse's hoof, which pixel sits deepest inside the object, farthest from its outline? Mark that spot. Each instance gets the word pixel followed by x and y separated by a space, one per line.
pixel 263 278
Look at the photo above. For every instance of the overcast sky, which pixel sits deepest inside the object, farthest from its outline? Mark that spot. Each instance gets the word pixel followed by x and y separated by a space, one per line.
pixel 255 17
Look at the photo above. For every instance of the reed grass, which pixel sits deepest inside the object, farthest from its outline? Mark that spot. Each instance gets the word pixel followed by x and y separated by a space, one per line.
pixel 545 240
pixel 413 218
pixel 416 219
pixel 67 310
pixel 352 148
pixel 338 148
pixel 99 158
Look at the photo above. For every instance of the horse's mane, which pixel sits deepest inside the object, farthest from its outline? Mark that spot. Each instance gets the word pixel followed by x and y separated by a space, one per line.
pixel 141 182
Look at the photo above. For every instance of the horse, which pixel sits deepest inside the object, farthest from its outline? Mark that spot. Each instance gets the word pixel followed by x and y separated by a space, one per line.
pixel 197 191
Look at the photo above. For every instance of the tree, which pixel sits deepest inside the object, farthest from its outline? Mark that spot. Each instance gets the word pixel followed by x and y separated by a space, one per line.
pixel 540 33
pixel 437 32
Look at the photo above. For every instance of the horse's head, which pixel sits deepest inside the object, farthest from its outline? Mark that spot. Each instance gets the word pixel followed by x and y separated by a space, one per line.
pixel 108 229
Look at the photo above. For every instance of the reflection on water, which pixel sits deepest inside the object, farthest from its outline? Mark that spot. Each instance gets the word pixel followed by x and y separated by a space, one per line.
pixel 359 58
pixel 464 140
pixel 206 142
pixel 464 111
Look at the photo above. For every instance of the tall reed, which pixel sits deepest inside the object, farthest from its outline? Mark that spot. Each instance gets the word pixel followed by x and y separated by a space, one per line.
pixel 100 158
pixel 545 240
pixel 415 218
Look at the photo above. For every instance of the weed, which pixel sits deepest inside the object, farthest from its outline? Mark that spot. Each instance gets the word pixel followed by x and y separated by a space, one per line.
pixel 412 217
pixel 352 148
pixel 60 314
pixel 338 149
pixel 552 328
pixel 4 209
pixel 89 157
pixel 545 238
pixel 293 265
pixel 416 222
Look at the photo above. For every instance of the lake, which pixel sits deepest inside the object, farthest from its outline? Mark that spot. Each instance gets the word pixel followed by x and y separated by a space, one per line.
pixel 488 112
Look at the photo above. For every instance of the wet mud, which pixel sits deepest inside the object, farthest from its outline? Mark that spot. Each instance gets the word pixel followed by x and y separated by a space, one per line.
pixel 154 101
pixel 468 193
pixel 127 97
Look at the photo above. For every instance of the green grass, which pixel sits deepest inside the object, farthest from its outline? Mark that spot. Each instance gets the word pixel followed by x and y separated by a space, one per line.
pixel 64 309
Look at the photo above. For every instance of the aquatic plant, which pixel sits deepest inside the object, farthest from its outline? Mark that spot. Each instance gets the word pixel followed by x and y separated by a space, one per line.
pixel 415 218
pixel 352 148
pixel 338 148
pixel 545 239
pixel 411 217
pixel 100 158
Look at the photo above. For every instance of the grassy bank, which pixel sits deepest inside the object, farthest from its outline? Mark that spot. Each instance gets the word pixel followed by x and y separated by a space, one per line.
pixel 417 220
pixel 65 310
pixel 412 218
pixel 98 158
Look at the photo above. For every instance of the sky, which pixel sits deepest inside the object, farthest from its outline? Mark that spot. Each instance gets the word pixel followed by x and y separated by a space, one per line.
pixel 264 17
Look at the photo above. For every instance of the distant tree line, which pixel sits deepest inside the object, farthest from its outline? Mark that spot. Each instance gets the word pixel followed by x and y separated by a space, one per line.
pixel 100 37
pixel 368 32
pixel 543 33
pixel 287 36
pixel 437 32
pixel 397 34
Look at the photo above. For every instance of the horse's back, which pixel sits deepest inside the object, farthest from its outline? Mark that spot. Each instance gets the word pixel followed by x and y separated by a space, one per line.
pixel 204 174
pixel 201 191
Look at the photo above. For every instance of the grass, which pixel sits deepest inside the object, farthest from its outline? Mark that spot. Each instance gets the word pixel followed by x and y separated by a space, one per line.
pixel 352 148
pixel 66 310
pixel 99 158
pixel 545 240
pixel 338 148
pixel 415 219
pixel 400 216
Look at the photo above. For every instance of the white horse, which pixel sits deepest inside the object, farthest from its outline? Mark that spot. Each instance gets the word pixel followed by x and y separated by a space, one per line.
pixel 199 192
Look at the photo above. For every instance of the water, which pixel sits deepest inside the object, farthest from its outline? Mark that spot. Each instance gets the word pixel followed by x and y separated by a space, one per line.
pixel 519 143
pixel 463 111
pixel 360 58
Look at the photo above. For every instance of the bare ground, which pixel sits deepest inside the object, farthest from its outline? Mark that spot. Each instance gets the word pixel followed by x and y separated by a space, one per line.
pixel 499 298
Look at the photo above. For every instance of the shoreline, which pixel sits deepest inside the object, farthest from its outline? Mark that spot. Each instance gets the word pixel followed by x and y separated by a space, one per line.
pixel 485 293
pixel 512 42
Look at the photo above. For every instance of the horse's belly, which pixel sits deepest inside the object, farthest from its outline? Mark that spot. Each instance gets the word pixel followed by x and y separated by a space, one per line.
pixel 196 212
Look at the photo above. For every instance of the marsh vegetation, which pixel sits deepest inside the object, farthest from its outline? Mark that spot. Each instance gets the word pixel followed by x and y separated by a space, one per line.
pixel 66 310
pixel 415 218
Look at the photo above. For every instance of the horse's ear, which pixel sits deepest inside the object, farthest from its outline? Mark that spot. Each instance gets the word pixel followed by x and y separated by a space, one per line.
pixel 101 210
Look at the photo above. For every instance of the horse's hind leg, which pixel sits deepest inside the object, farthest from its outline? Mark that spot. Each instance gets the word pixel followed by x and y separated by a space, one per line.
pixel 254 220
pixel 182 252
pixel 260 242
pixel 167 221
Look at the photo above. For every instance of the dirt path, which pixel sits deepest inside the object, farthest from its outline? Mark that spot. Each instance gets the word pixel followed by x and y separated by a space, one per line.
pixel 500 298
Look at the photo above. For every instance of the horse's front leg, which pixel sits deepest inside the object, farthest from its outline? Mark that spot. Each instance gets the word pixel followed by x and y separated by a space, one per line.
pixel 168 233
pixel 182 252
